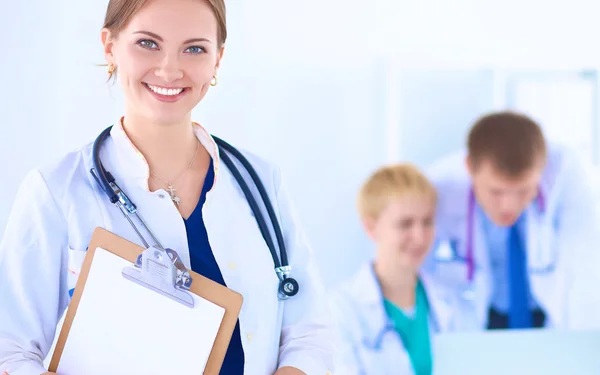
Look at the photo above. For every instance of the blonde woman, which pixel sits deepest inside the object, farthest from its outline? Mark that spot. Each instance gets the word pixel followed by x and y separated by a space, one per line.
pixel 387 312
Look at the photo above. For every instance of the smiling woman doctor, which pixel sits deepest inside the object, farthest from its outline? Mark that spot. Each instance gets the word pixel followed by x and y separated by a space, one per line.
pixel 166 53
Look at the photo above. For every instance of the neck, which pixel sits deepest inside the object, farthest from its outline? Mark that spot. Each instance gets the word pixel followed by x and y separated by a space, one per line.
pixel 167 148
pixel 398 284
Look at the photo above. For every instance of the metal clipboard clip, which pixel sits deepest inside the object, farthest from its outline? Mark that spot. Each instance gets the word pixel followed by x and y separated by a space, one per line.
pixel 163 271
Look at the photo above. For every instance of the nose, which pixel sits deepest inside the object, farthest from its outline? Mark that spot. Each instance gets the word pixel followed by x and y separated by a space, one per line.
pixel 419 235
pixel 169 69
pixel 510 203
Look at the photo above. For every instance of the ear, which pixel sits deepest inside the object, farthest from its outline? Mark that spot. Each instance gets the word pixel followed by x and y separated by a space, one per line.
pixel 108 45
pixel 369 224
pixel 219 57
pixel 469 165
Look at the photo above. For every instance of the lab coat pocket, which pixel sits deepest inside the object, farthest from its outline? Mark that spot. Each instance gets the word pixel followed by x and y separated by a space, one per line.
pixel 76 258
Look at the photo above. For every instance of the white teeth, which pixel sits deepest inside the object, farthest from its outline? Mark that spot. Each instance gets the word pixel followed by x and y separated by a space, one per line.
pixel 166 92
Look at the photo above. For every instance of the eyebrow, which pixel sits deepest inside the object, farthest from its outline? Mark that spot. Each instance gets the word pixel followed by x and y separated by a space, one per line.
pixel 156 36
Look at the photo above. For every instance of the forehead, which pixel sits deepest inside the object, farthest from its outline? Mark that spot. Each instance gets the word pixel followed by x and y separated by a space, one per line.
pixel 410 204
pixel 176 19
pixel 492 175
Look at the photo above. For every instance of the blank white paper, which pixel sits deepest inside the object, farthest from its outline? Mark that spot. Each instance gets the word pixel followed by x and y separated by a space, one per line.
pixel 123 328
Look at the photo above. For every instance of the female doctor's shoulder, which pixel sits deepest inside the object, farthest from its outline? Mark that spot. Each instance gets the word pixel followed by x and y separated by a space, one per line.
pixel 34 252
pixel 47 193
pixel 307 339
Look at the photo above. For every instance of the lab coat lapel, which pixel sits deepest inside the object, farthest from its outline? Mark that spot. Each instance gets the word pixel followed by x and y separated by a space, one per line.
pixel 440 308
pixel 381 350
pixel 370 300
pixel 132 164
pixel 548 286
pixel 482 279
pixel 539 238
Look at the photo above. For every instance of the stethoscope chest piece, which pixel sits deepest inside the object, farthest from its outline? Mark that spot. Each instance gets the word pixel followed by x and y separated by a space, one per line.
pixel 288 287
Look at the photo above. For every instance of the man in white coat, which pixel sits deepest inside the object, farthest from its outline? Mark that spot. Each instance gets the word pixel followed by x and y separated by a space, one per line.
pixel 518 228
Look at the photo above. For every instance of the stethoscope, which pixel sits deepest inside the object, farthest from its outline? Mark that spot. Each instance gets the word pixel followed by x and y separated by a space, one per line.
pixel 288 287
pixel 469 258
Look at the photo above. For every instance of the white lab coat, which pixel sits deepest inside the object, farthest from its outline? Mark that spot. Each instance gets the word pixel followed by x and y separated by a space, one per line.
pixel 565 236
pixel 369 345
pixel 57 208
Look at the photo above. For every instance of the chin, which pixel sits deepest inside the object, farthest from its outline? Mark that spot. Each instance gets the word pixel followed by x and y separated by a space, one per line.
pixel 505 221
pixel 413 263
pixel 167 116
pixel 417 263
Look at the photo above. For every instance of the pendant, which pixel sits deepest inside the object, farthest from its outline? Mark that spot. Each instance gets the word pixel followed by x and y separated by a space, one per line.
pixel 174 197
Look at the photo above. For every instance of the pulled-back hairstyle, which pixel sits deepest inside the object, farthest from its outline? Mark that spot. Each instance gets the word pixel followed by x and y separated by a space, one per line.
pixel 120 12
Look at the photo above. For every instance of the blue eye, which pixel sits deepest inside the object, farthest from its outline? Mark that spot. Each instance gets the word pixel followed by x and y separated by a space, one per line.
pixel 195 50
pixel 146 43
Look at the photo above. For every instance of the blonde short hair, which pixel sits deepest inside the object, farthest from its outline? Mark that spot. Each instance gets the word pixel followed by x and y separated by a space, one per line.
pixel 392 182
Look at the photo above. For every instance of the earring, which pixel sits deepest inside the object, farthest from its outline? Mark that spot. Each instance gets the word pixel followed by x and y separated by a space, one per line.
pixel 213 81
pixel 110 69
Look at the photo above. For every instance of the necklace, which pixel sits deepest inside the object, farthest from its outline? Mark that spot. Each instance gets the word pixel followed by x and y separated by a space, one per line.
pixel 170 188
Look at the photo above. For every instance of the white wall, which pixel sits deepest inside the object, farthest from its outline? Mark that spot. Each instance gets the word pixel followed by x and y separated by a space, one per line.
pixel 519 33
pixel 29 63
pixel 313 73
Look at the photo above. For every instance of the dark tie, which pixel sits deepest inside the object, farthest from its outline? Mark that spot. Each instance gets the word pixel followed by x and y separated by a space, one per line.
pixel 519 314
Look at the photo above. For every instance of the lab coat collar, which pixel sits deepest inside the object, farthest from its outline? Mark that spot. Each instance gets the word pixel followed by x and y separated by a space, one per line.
pixel 136 165
pixel 370 298
pixel 440 304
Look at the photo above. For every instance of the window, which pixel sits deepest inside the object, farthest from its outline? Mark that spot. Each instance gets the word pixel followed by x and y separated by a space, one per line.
pixel 564 103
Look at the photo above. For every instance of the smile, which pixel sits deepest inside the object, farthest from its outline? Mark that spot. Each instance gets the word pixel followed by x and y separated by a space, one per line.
pixel 166 94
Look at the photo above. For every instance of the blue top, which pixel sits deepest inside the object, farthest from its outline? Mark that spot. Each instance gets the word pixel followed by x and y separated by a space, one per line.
pixel 498 244
pixel 203 262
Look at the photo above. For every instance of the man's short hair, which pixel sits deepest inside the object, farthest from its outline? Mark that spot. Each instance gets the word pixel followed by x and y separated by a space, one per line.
pixel 512 142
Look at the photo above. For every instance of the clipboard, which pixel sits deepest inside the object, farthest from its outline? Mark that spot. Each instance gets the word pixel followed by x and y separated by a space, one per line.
pixel 206 289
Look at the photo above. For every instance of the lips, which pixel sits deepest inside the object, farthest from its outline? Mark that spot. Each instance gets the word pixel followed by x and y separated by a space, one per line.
pixel 415 252
pixel 166 94
pixel 165 91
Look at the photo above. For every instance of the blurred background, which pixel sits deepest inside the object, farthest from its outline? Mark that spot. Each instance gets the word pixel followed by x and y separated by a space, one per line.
pixel 329 90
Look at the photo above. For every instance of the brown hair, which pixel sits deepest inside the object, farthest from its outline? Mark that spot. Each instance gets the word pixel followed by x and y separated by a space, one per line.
pixel 392 182
pixel 512 142
pixel 119 13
